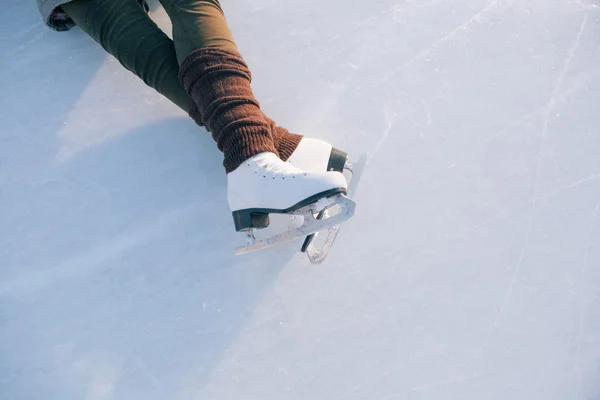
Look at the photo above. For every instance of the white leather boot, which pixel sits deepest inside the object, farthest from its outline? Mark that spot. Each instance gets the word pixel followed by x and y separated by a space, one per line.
pixel 264 184
pixel 317 155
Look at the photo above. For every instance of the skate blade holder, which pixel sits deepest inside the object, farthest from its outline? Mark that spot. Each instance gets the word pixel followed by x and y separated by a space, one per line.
pixel 315 247
pixel 342 205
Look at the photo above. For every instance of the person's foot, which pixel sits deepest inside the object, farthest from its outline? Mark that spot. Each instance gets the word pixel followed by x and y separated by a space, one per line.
pixel 264 184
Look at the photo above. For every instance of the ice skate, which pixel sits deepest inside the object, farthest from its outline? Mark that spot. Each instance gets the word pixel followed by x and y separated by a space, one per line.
pixel 265 185
pixel 318 155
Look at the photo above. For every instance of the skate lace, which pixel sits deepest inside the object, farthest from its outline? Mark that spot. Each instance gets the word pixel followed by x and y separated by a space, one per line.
pixel 270 166
pixel 277 170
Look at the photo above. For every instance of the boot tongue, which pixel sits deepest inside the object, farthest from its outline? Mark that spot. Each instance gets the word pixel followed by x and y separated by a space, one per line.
pixel 265 160
pixel 273 164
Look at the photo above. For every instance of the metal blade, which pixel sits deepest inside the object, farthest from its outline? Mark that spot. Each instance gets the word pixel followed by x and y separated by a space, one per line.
pixel 310 225
pixel 317 255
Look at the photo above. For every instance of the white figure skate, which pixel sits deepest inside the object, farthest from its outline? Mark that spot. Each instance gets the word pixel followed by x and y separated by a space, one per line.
pixel 266 185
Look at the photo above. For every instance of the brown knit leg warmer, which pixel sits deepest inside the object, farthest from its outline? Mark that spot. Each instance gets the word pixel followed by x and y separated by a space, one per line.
pixel 285 142
pixel 218 80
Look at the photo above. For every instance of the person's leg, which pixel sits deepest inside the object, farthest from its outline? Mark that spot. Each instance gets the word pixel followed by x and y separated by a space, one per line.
pixel 201 32
pixel 216 78
pixel 123 29
pixel 214 74
pixel 198 24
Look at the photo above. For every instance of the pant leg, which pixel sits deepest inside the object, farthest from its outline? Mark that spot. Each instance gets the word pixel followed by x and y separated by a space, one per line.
pixel 198 24
pixel 201 24
pixel 123 29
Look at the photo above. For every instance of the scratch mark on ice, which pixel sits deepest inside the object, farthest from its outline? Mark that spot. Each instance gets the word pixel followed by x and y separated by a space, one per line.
pixel 475 18
pixel 402 394
pixel 558 99
pixel 534 197
pixel 552 104
pixel 576 366
pixel 582 181
pixel 390 117
pixel 443 383
pixel 561 78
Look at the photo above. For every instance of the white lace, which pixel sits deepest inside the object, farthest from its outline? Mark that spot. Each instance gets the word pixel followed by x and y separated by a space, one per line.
pixel 272 167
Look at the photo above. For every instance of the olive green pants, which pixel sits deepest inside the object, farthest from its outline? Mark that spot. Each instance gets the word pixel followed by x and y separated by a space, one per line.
pixel 123 29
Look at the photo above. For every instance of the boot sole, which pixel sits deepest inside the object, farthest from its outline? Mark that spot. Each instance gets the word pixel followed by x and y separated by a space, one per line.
pixel 258 218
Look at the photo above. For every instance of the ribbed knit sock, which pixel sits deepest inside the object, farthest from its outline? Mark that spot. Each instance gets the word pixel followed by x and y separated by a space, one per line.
pixel 218 80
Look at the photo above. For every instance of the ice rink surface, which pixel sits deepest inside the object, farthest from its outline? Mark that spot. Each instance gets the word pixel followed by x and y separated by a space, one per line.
pixel 470 271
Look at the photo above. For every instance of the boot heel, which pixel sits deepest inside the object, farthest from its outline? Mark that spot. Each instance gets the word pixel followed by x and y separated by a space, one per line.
pixel 246 219
pixel 337 160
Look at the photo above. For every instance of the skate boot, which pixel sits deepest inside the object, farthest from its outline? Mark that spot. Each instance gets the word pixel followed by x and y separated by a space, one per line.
pixel 318 155
pixel 265 185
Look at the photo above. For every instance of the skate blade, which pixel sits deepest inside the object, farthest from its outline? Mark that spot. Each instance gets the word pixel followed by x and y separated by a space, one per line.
pixel 318 253
pixel 309 225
